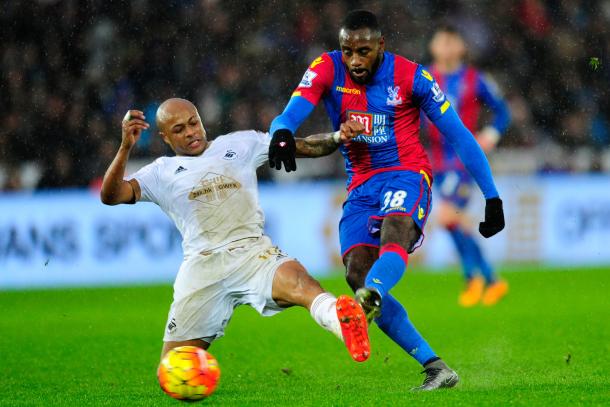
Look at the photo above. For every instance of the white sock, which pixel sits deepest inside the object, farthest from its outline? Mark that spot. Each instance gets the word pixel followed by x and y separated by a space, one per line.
pixel 323 310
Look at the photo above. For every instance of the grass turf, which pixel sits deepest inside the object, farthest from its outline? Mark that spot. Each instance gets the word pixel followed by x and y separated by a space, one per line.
pixel 546 344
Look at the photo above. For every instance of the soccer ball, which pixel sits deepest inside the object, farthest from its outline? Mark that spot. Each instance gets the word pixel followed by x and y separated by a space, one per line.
pixel 188 373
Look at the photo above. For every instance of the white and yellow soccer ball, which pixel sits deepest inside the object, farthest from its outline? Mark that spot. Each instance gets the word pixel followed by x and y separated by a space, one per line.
pixel 188 373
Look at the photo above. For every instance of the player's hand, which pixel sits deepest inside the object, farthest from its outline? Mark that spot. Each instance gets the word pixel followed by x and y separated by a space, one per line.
pixel 494 218
pixel 487 138
pixel 133 124
pixel 282 149
pixel 350 129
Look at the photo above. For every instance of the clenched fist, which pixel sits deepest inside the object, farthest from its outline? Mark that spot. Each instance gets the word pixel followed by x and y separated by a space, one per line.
pixel 132 126
pixel 349 130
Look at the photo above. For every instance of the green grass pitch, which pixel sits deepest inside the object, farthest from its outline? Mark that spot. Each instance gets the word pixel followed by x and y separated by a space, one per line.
pixel 546 344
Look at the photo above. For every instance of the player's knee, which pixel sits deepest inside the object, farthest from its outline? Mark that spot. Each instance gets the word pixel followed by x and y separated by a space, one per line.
pixel 355 278
pixel 448 215
pixel 401 230
pixel 292 285
pixel 306 283
pixel 358 262
pixel 356 273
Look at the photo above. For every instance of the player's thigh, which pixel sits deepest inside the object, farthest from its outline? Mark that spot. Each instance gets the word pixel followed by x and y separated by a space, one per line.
pixel 202 315
pixel 359 245
pixel 401 230
pixel 358 261
pixel 406 202
pixel 268 280
pixel 167 346
pixel 454 189
pixel 201 306
pixel 448 215
pixel 292 285
pixel 354 231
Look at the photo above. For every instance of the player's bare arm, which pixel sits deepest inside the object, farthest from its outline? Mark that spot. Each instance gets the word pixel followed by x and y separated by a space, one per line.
pixel 115 190
pixel 319 145
pixel 488 137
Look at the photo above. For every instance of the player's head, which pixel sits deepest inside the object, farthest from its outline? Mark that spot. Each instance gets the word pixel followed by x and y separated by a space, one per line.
pixel 362 45
pixel 180 127
pixel 447 46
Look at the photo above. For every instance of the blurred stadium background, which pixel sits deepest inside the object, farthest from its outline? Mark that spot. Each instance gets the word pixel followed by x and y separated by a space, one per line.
pixel 70 70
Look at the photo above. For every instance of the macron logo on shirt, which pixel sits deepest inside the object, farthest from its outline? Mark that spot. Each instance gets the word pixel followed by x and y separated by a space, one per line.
pixel 179 170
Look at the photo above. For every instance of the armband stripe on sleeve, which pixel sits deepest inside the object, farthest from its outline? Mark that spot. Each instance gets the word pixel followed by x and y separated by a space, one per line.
pixel 445 106
pixel 427 75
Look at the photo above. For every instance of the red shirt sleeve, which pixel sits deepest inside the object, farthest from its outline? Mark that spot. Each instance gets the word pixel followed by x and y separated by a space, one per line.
pixel 317 80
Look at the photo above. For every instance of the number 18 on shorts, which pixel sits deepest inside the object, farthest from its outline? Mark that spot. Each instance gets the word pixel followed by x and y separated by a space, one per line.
pixel 396 193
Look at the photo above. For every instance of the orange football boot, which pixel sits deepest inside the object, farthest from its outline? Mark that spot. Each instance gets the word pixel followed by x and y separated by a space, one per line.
pixel 354 328
pixel 495 292
pixel 473 292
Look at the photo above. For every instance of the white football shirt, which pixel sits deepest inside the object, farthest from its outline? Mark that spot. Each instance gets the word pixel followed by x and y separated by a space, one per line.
pixel 212 198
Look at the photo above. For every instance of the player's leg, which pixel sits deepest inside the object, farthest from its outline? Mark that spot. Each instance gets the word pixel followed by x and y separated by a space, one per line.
pixel 201 308
pixel 455 189
pixel 169 345
pixel 360 247
pixel 400 232
pixel 391 317
pixel 474 253
pixel 486 287
pixel 450 217
pixel 342 316
pixel 403 233
pixel 404 204
pixel 453 219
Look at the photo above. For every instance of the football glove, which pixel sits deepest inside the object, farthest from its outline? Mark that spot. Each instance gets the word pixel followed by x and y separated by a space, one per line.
pixel 282 149
pixel 494 218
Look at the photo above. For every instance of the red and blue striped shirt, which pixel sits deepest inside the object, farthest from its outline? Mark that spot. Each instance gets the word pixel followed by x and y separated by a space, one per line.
pixel 389 107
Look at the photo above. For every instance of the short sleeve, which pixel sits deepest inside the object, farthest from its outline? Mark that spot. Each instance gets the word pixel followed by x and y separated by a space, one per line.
pixel 252 145
pixel 428 95
pixel 148 179
pixel 260 151
pixel 317 79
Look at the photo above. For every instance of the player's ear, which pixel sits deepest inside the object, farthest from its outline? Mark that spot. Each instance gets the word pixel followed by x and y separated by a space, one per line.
pixel 164 138
pixel 382 43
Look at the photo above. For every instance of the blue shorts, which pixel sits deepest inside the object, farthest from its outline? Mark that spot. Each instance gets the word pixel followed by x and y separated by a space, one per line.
pixel 393 193
pixel 454 186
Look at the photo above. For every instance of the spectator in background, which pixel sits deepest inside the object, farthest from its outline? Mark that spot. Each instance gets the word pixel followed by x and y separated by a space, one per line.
pixel 90 59
pixel 470 91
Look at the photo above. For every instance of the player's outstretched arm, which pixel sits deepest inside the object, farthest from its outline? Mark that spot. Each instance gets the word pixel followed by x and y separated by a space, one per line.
pixel 115 190
pixel 319 145
pixel 489 93
pixel 431 99
pixel 282 147
pixel 316 81
pixel 476 163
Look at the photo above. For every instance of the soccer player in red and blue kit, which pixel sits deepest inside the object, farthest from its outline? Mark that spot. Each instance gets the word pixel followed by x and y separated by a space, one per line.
pixel 467 89
pixel 389 175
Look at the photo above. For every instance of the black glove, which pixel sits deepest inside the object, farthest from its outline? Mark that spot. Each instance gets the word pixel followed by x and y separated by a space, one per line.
pixel 494 218
pixel 282 149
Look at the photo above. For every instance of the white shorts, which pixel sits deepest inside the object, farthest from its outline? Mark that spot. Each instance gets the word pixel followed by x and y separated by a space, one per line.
pixel 210 285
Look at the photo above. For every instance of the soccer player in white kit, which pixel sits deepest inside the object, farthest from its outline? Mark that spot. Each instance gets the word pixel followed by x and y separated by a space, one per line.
pixel 209 190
